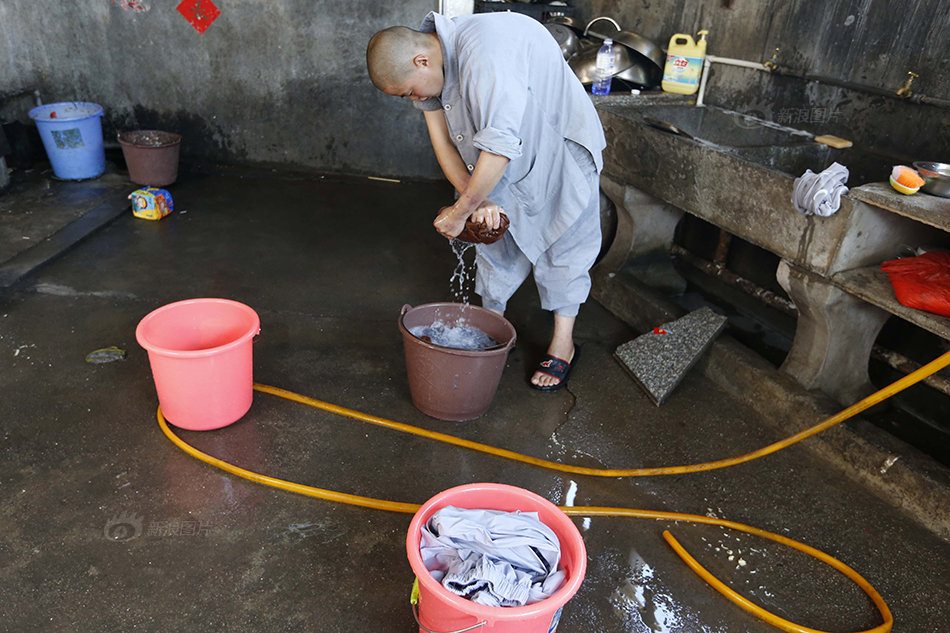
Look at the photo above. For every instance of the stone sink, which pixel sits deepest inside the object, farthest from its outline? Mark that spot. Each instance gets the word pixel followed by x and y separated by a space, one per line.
pixel 766 143
pixel 737 172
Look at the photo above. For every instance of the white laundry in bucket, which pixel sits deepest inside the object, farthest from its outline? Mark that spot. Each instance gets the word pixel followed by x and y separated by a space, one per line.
pixel 494 558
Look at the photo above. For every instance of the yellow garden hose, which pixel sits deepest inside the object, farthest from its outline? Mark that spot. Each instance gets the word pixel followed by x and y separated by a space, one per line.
pixel 381 504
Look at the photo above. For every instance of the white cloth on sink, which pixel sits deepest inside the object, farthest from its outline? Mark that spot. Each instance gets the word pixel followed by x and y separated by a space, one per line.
pixel 820 194
pixel 494 558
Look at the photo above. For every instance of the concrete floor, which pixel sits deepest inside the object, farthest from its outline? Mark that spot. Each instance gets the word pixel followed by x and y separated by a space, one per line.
pixel 327 265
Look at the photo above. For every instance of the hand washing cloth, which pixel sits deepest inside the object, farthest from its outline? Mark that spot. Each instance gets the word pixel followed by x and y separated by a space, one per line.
pixel 481 233
pixel 493 558
pixel 820 194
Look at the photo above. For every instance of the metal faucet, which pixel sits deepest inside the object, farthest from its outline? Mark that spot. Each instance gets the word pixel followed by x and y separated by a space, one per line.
pixel 904 91
pixel 772 63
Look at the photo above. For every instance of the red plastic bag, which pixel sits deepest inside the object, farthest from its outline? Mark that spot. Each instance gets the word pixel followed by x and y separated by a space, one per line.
pixel 922 282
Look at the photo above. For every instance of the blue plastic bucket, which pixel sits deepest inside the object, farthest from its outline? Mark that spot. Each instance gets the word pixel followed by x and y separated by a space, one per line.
pixel 72 135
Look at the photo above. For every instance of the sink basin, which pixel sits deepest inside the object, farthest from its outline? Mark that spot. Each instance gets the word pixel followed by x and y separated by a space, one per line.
pixel 715 125
pixel 764 143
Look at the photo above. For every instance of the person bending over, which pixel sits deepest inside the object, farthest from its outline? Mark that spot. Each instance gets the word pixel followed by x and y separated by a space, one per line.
pixel 513 130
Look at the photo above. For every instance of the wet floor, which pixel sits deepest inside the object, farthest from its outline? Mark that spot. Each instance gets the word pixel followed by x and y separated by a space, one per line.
pixel 105 525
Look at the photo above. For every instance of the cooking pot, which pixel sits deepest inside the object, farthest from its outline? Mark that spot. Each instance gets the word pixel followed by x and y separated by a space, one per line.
pixel 567 21
pixel 584 63
pixel 566 38
pixel 642 72
pixel 647 59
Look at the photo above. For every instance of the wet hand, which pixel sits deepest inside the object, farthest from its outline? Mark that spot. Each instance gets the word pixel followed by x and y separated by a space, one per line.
pixel 488 213
pixel 448 223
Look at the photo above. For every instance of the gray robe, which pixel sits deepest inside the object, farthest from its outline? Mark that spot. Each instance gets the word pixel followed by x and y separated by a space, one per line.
pixel 509 91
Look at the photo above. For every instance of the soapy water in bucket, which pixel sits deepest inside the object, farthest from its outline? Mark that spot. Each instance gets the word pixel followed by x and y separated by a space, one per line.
pixel 457 335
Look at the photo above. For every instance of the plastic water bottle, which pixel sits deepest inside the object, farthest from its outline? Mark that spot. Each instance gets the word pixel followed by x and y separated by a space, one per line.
pixel 605 68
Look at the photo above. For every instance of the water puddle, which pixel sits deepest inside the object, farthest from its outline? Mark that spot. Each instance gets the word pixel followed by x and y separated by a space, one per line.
pixel 571 494
pixel 643 600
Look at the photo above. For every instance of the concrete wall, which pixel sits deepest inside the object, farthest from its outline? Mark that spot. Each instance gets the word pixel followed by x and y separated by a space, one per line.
pixel 283 81
pixel 868 42
pixel 871 42
pixel 270 81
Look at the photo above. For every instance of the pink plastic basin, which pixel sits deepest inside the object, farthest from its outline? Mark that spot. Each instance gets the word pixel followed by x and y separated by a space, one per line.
pixel 442 611
pixel 200 351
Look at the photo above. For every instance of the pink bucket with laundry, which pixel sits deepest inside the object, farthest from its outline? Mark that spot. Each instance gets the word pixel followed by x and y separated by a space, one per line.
pixel 441 611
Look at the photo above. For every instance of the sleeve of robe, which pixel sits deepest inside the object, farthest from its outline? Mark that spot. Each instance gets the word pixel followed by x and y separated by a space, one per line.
pixel 496 88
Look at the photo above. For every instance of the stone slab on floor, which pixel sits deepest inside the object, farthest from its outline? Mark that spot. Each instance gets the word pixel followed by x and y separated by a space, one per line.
pixel 658 360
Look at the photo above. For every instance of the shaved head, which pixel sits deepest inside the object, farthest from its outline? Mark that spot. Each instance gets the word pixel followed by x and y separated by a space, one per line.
pixel 391 53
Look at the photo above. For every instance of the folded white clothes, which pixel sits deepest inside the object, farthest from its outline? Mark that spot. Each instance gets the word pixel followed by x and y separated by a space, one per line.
pixel 820 194
pixel 491 557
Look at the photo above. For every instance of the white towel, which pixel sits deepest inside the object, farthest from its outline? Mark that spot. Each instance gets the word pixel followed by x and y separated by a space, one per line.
pixel 820 194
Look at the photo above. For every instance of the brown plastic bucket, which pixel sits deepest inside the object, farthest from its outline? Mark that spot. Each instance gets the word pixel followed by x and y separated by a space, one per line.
pixel 151 156
pixel 454 384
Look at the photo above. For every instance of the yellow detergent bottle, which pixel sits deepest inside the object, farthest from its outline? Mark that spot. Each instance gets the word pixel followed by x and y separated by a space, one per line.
pixel 684 63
